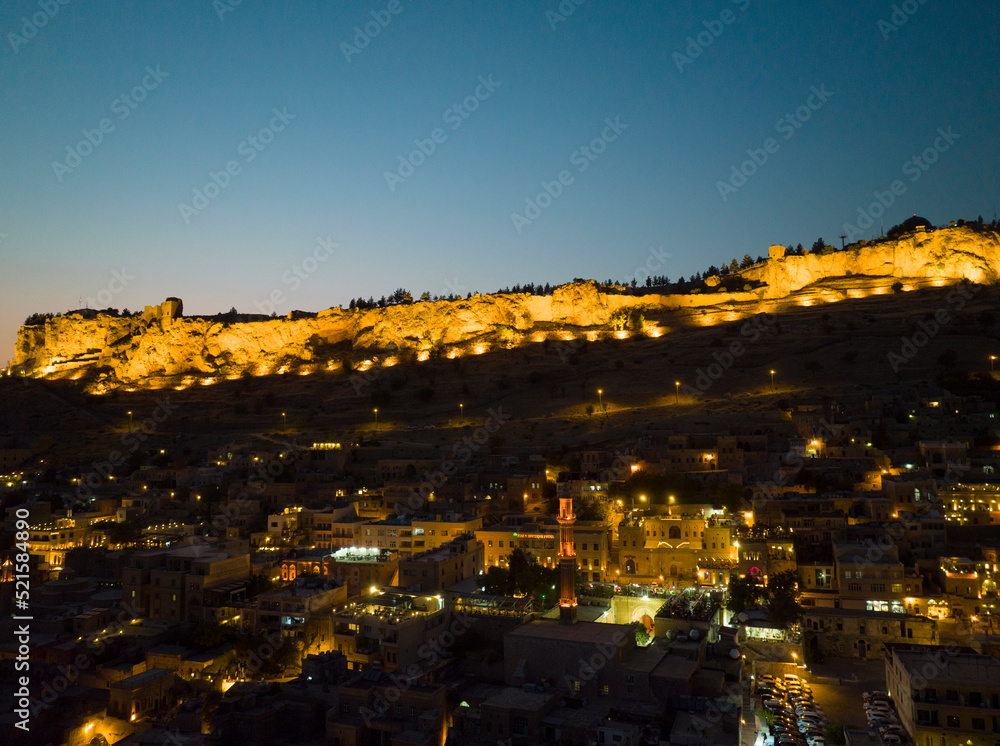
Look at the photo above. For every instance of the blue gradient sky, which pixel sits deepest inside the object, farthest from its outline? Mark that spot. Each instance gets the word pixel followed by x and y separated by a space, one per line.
pixel 449 224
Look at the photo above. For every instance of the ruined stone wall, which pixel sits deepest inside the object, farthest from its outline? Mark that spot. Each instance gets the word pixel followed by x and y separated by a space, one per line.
pixel 160 347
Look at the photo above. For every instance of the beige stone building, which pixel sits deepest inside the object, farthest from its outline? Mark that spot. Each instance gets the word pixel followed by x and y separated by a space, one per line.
pixel 945 696
pixel 184 584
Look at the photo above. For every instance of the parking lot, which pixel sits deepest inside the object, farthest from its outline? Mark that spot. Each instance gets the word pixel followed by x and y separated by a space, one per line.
pixel 842 702
pixel 796 721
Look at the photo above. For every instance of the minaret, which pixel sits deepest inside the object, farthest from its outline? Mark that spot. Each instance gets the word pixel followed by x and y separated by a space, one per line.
pixel 567 562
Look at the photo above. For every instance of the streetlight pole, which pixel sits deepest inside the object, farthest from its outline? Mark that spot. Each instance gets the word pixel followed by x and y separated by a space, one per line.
pixel 284 420
pixel 772 380
pixel 600 398
pixel 461 412
pixel 376 420
pixel 992 359
pixel 677 392
pixel 130 421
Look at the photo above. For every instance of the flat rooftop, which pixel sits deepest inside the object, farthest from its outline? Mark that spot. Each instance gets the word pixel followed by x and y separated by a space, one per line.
pixel 969 668
pixel 518 699
pixel 141 679
pixel 583 632
pixel 830 611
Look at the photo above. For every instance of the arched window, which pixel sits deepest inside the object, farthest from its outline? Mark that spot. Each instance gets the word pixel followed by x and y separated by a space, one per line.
pixel 674 532
pixel 673 571
pixel 630 566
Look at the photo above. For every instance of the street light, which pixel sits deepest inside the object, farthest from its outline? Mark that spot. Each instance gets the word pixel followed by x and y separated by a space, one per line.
pixel 284 419
pixel 772 380
pixel 461 412
pixel 600 398
pixel 376 419
pixel 130 421
pixel 992 359
pixel 677 391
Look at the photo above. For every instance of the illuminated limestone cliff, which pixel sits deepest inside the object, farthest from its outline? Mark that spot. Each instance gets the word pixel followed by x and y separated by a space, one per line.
pixel 163 348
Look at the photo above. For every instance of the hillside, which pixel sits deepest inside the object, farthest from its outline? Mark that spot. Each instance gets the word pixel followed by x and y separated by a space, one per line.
pixel 161 348
pixel 549 388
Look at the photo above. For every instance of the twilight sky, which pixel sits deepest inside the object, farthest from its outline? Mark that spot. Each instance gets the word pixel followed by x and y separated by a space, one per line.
pixel 234 143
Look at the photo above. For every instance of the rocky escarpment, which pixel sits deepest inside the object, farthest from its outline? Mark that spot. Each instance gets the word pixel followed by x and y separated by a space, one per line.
pixel 161 347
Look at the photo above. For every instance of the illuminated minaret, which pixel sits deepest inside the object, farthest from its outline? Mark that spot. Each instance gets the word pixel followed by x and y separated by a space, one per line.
pixel 567 562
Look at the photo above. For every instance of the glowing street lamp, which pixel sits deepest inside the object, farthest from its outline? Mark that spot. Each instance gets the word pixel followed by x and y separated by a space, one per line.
pixel 772 380
pixel 376 419
pixel 677 391
pixel 130 421
pixel 600 398
pixel 284 420
pixel 461 412
pixel 992 359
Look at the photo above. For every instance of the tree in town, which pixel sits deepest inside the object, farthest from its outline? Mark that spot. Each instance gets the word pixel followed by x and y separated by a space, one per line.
pixel 783 606
pixel 744 593
pixel 641 633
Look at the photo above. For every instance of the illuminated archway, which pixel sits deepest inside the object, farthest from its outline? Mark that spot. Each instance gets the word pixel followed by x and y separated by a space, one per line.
pixel 644 614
